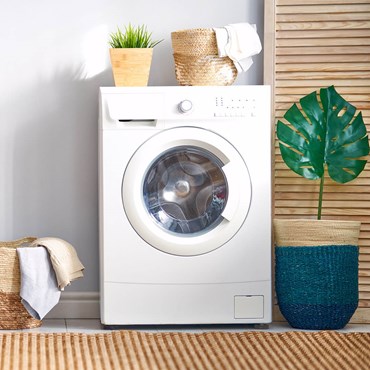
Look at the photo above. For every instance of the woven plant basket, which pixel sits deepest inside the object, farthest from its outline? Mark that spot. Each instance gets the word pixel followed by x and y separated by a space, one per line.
pixel 196 59
pixel 13 314
pixel 316 272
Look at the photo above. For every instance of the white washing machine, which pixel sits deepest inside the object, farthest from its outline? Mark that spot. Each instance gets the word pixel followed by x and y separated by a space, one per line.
pixel 185 205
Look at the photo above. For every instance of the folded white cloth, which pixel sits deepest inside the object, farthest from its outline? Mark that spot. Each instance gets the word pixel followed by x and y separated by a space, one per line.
pixel 64 259
pixel 222 38
pixel 238 41
pixel 39 289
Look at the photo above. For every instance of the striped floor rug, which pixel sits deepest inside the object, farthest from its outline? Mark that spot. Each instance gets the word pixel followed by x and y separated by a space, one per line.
pixel 213 350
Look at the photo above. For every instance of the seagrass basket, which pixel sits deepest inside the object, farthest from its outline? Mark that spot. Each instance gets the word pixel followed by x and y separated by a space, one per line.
pixel 13 314
pixel 196 59
pixel 316 272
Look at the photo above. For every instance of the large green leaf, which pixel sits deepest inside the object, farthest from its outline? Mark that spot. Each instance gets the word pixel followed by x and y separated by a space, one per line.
pixel 324 133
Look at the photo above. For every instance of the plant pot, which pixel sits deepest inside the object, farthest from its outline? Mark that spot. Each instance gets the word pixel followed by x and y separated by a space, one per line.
pixel 316 272
pixel 131 66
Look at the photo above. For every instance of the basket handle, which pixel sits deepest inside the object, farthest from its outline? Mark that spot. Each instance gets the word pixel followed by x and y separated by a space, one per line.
pixel 18 242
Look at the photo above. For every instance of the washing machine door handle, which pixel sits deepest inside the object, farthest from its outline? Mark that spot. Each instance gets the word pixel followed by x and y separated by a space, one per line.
pixel 233 199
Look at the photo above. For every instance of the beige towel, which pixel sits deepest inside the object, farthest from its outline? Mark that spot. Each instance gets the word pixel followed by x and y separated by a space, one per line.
pixel 64 259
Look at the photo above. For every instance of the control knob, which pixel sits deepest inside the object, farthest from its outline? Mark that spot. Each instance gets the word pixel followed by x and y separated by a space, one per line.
pixel 185 106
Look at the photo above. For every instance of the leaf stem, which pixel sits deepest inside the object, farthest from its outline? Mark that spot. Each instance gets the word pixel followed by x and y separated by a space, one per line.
pixel 320 197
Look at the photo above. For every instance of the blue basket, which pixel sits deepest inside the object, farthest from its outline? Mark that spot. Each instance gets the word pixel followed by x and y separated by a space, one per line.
pixel 317 286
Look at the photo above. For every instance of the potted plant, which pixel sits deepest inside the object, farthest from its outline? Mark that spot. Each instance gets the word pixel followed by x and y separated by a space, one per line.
pixel 131 55
pixel 316 275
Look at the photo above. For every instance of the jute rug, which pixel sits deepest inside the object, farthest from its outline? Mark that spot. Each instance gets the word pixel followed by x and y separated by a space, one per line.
pixel 214 350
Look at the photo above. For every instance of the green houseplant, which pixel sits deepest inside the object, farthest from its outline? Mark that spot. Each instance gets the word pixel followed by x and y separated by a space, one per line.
pixel 131 55
pixel 317 283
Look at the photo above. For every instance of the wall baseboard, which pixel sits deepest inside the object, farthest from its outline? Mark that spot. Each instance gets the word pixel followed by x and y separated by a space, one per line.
pixel 76 305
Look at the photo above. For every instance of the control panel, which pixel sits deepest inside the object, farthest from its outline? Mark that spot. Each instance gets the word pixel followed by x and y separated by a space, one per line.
pixel 184 103
pixel 228 106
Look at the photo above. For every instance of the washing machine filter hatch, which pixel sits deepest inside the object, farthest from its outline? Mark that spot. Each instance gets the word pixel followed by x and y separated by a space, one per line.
pixel 185 190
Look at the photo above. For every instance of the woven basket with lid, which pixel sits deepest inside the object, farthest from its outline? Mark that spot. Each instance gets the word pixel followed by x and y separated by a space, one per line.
pixel 13 314
pixel 196 59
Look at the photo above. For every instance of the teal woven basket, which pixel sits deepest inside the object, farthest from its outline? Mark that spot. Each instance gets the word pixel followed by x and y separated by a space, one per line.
pixel 316 285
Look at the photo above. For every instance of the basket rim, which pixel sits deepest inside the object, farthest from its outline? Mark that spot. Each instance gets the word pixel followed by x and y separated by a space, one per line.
pixel 314 221
pixel 307 232
pixel 194 30
pixel 17 242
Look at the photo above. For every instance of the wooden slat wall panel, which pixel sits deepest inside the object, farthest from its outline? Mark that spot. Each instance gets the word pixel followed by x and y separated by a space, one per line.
pixel 309 45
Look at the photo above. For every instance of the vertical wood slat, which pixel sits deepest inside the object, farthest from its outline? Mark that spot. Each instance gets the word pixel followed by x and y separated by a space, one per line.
pixel 310 45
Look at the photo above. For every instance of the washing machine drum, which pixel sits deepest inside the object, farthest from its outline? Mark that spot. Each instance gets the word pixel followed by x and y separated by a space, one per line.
pixel 185 190
pixel 186 196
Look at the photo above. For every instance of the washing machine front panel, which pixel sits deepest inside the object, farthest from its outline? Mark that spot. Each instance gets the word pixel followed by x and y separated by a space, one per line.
pixel 186 191
pixel 142 284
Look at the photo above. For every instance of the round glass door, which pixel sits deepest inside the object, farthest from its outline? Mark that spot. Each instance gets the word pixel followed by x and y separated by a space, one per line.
pixel 185 190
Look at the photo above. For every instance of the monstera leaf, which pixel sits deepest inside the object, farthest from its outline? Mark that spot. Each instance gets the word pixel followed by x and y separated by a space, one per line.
pixel 324 134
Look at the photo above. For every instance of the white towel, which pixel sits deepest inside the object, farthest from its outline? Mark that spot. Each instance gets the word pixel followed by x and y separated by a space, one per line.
pixel 241 43
pixel 39 289
pixel 64 259
pixel 222 38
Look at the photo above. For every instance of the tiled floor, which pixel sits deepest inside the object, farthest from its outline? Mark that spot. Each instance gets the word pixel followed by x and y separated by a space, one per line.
pixel 94 326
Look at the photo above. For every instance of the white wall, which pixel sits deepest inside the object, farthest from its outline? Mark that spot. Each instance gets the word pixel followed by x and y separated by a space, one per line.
pixel 54 56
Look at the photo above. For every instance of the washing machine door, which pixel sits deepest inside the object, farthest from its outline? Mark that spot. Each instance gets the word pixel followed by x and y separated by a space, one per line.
pixel 186 191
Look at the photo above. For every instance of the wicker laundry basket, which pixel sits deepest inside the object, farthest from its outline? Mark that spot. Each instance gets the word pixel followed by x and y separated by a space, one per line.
pixel 196 59
pixel 13 314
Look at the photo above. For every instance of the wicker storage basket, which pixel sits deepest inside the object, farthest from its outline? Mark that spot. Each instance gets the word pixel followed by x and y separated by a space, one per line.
pixel 13 314
pixel 197 61
pixel 316 272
